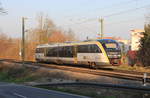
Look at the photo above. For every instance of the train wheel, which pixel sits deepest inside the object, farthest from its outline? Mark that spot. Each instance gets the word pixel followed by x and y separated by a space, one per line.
pixel 38 61
pixel 93 65
pixel 59 62
pixel 89 65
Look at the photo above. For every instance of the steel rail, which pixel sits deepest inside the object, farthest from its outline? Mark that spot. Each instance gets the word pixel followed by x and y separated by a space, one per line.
pixel 121 75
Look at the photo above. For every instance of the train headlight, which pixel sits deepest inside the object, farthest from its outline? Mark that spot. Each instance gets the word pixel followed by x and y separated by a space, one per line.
pixel 119 55
pixel 111 56
pixel 114 56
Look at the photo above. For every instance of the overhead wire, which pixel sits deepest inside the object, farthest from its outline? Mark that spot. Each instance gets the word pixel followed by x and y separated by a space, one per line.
pixel 118 4
pixel 111 6
pixel 126 11
pixel 113 14
pixel 124 21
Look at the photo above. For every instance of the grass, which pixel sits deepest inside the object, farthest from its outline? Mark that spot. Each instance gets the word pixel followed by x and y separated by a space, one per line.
pixel 16 73
pixel 5 77
pixel 97 92
pixel 134 68
pixel 78 91
pixel 9 76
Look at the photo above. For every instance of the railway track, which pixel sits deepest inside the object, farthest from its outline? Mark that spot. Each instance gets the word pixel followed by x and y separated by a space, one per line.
pixel 121 74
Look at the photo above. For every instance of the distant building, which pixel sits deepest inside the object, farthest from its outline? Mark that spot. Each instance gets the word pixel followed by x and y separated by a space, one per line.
pixel 124 44
pixel 136 35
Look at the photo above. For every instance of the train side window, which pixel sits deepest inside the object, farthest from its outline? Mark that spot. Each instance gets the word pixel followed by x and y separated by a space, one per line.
pixel 63 52
pixel 87 48
pixel 79 48
pixel 60 52
pixel 94 49
pixel 71 51
pixel 39 50
pixel 83 49
pixel 97 49
pixel 49 52
pixel 68 51
pixel 55 51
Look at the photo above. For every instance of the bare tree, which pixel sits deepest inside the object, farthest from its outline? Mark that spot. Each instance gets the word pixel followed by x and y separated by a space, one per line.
pixel 70 35
pixel 43 31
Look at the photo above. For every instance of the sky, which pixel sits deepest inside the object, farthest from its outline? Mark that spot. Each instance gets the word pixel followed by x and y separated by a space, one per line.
pixel 82 16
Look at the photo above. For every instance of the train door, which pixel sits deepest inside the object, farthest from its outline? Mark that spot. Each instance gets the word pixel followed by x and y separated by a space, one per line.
pixel 39 53
pixel 75 54
pixel 59 56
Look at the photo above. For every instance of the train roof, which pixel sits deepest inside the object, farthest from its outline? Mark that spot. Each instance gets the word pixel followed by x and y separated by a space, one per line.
pixel 77 42
pixel 106 40
pixel 66 43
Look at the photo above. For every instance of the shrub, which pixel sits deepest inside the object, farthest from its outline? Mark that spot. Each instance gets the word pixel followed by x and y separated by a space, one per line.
pixel 144 51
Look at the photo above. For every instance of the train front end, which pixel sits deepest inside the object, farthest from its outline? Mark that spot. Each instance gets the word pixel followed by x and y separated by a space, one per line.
pixel 113 50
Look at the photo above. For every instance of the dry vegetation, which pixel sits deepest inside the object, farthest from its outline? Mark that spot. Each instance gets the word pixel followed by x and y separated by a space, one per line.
pixel 16 73
pixel 98 92
pixel 45 32
pixel 9 47
pixel 134 68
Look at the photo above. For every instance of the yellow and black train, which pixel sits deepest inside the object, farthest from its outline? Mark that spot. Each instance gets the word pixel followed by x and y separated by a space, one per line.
pixel 94 53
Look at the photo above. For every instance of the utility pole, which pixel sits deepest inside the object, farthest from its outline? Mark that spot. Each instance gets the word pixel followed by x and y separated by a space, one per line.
pixel 23 41
pixel 101 27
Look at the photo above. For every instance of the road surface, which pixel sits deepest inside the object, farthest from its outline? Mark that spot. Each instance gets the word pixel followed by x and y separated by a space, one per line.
pixel 20 91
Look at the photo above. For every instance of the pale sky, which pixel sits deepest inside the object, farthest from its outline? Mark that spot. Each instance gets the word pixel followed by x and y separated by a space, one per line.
pixel 120 16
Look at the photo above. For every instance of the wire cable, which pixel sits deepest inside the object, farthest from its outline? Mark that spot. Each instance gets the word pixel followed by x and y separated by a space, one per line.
pixel 111 6
pixel 113 14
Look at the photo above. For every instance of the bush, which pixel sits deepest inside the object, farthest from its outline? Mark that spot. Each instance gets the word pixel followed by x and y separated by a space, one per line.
pixel 144 51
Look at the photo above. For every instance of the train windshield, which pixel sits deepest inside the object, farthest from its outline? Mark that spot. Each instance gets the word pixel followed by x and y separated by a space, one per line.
pixel 110 45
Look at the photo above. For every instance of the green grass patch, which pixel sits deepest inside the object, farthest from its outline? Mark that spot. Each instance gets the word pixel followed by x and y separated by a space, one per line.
pixel 16 74
pixel 6 77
